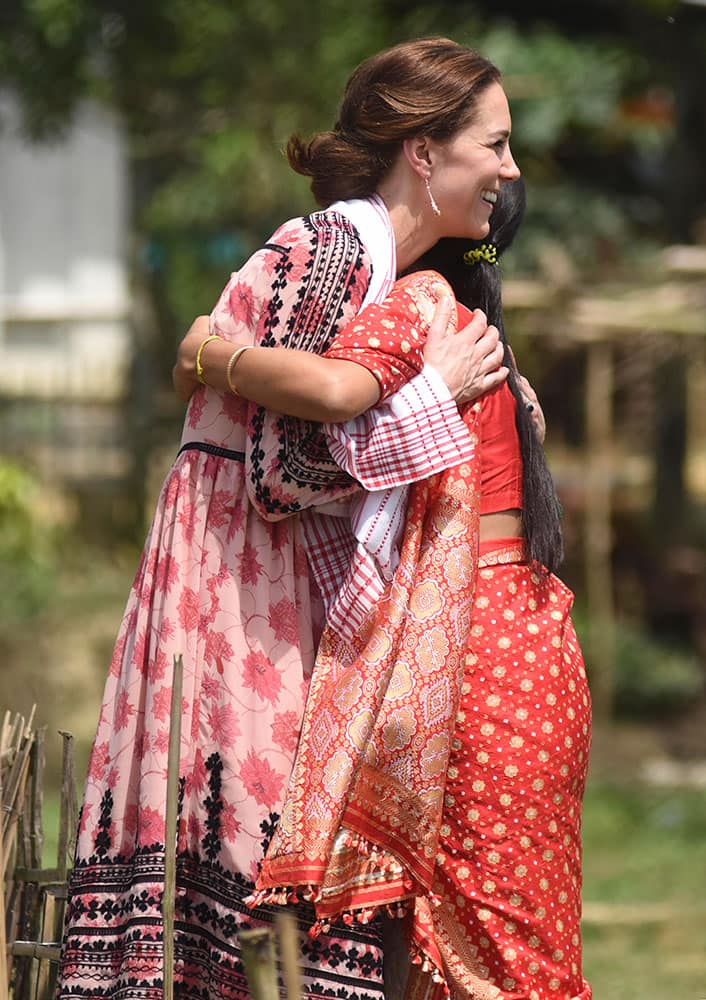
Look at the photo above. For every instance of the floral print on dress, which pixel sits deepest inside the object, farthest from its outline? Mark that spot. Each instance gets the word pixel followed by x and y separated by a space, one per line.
pixel 223 581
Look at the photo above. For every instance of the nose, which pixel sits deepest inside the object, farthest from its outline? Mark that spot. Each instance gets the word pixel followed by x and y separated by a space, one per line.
pixel 509 171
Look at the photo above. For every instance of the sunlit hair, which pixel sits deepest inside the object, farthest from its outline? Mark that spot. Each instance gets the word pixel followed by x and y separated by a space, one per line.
pixel 429 86
pixel 480 287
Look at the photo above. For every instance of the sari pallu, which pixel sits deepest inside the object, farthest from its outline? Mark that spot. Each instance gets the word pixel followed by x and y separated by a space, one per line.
pixel 360 825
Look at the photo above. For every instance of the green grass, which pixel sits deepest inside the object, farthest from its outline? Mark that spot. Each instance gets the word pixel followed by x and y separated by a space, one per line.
pixel 645 846
pixel 652 962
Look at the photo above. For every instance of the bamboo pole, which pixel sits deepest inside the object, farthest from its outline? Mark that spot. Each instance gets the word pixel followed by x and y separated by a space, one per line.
pixel 598 534
pixel 17 741
pixel 17 751
pixel 257 951
pixel 46 925
pixel 170 830
pixel 36 949
pixel 37 828
pixel 289 954
pixel 68 807
pixel 4 983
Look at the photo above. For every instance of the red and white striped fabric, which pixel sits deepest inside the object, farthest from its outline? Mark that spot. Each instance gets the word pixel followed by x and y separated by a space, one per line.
pixel 411 435
pixel 417 432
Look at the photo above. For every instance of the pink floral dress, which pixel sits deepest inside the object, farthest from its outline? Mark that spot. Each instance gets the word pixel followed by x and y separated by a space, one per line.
pixel 223 581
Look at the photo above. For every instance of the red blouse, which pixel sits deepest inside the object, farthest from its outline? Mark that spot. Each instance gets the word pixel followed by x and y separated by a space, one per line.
pixel 501 462
pixel 388 340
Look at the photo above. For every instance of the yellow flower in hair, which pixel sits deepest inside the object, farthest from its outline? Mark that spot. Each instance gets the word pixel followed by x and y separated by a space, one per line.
pixel 487 252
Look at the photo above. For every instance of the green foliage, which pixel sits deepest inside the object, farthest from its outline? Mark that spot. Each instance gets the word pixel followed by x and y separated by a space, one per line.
pixel 574 142
pixel 209 91
pixel 557 85
pixel 26 547
pixel 654 677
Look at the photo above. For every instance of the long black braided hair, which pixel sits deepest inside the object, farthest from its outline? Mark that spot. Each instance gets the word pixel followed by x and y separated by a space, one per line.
pixel 477 283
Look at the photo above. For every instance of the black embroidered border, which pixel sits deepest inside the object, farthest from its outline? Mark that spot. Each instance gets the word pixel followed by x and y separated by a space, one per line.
pixel 213 449
pixel 113 938
pixel 336 257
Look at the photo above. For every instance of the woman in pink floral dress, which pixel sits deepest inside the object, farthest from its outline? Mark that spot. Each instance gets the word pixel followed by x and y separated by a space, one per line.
pixel 224 581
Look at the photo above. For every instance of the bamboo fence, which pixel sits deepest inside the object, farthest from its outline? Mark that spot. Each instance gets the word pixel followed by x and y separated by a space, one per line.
pixel 32 898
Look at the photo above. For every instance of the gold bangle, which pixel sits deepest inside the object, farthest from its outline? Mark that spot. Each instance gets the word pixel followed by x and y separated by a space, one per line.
pixel 232 362
pixel 199 369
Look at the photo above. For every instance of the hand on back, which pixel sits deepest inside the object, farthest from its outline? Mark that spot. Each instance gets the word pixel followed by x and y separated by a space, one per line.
pixel 470 361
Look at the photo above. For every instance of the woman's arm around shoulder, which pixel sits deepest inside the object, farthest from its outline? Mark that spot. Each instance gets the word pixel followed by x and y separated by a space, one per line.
pixel 308 280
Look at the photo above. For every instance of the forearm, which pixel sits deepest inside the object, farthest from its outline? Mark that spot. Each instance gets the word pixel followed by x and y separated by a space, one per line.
pixel 298 383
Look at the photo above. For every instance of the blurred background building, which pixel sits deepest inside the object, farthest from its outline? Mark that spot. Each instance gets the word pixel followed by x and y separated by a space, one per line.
pixel 64 301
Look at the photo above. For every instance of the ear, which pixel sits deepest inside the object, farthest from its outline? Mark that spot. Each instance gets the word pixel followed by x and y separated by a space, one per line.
pixel 417 152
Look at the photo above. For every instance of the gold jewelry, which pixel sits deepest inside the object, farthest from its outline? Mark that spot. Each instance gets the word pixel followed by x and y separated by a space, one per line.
pixel 199 369
pixel 232 362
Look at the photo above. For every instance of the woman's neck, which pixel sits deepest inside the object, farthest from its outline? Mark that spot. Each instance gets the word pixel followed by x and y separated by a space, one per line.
pixel 409 215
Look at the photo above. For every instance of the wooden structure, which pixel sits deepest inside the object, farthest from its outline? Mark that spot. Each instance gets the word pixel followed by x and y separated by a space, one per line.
pixel 599 322
pixel 32 897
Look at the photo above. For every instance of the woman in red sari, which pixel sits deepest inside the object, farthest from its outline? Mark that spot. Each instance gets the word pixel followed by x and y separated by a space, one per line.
pixel 443 758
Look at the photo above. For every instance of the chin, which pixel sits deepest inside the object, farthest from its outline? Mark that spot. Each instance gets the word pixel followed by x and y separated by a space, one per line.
pixel 479 232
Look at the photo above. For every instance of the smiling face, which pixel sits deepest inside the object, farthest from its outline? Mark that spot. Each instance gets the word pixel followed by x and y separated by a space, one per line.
pixel 468 169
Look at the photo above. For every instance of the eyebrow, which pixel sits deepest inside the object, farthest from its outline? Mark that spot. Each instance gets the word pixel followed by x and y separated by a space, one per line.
pixel 501 133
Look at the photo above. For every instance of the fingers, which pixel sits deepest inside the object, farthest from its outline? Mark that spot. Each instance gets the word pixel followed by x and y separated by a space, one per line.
pixel 442 317
pixel 528 393
pixel 533 405
pixel 494 378
pixel 200 326
pixel 489 350
pixel 477 328
pixel 486 354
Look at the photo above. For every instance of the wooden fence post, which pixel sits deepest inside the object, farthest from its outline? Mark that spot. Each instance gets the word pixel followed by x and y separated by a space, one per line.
pixel 598 522
pixel 170 831
pixel 4 981
pixel 257 951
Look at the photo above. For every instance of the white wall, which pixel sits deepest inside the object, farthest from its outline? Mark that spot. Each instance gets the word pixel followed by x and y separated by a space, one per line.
pixel 63 235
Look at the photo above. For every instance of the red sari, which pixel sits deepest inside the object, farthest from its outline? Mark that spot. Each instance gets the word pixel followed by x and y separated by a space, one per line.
pixel 443 756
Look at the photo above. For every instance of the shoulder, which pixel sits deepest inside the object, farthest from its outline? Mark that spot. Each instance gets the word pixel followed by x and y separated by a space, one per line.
pixel 423 290
pixel 319 227
pixel 325 239
pixel 427 284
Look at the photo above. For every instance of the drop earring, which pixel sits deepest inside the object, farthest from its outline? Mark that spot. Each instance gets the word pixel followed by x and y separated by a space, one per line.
pixel 434 207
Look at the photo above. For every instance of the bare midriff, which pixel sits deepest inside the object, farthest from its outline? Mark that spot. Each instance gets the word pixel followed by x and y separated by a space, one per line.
pixel 501 524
